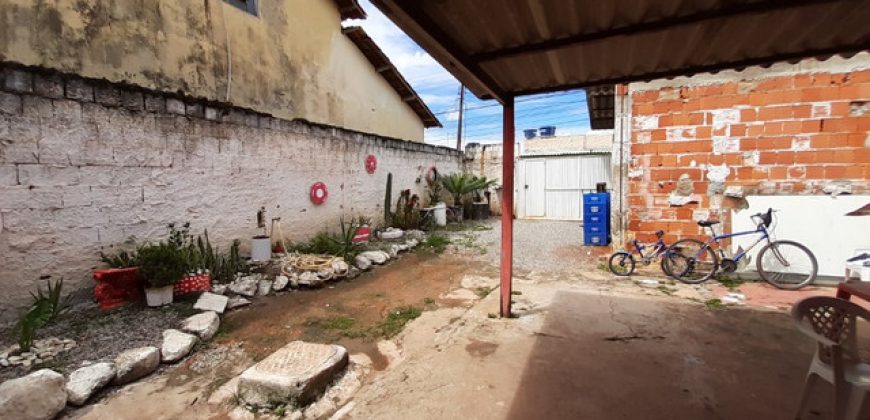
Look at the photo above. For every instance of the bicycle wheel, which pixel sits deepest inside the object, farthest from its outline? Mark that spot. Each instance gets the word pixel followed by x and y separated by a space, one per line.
pixel 787 265
pixel 690 261
pixel 621 263
pixel 670 260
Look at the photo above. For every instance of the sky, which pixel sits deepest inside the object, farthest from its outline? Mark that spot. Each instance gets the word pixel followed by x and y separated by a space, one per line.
pixel 440 90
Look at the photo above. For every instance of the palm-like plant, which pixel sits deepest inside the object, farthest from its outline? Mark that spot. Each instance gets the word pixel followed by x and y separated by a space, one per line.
pixel 458 185
pixel 479 185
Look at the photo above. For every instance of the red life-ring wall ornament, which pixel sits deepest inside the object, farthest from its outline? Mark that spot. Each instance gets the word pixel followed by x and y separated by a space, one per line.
pixel 371 164
pixel 319 193
pixel 432 175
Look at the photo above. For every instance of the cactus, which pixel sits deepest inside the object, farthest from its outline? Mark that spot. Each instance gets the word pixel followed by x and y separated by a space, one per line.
pixel 388 199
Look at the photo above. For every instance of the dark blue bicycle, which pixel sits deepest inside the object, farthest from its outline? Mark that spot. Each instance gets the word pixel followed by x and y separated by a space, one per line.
pixel 622 263
pixel 784 264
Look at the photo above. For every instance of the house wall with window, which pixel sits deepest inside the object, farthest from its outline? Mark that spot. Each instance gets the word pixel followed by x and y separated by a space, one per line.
pixel 794 136
pixel 289 59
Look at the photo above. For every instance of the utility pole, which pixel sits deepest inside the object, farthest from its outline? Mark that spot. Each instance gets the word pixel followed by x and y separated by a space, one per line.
pixel 461 111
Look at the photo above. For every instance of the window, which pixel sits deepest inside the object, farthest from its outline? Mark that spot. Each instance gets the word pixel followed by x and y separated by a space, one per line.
pixel 249 6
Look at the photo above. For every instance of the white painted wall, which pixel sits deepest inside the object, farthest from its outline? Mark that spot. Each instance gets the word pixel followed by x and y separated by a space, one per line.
pixel 819 222
pixel 80 177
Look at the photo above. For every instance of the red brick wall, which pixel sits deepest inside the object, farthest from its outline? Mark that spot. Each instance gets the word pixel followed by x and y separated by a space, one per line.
pixel 784 135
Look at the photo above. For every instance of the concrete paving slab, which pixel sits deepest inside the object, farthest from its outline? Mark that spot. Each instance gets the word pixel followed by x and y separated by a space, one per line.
pixel 296 372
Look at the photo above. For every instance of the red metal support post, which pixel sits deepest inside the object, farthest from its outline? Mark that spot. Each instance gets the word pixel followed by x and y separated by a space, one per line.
pixel 507 206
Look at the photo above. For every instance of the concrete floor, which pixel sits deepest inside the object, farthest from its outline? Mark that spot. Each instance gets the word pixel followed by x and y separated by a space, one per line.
pixel 576 353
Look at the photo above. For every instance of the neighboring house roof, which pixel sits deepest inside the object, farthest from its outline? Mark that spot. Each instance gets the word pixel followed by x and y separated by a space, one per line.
pixel 388 71
pixel 350 9
pixel 506 48
pixel 599 102
pixel 596 141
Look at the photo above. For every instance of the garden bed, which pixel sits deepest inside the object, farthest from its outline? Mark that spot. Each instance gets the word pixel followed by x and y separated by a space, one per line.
pixel 100 336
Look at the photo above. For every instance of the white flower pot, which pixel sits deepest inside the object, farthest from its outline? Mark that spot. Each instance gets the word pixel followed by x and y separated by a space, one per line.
pixel 159 296
pixel 261 249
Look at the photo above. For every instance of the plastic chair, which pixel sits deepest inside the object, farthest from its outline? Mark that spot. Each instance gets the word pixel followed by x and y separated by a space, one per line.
pixel 832 323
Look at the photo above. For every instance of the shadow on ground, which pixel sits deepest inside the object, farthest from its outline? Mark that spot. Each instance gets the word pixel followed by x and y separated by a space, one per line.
pixel 602 357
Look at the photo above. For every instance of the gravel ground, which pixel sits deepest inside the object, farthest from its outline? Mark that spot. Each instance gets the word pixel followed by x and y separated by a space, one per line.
pixel 101 336
pixel 539 245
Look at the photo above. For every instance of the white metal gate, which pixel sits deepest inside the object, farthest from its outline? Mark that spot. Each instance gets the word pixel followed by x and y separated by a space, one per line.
pixel 551 187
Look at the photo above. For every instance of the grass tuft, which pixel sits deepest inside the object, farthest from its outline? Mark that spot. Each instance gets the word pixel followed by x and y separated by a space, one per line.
pixel 436 243
pixel 714 304
pixel 396 320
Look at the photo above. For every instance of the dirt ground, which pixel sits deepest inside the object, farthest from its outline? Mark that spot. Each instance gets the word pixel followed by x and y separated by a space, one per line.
pixel 585 344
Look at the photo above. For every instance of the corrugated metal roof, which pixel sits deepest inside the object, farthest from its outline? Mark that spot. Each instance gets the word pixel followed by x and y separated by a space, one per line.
pixel 600 101
pixel 504 48
pixel 350 9
pixel 388 71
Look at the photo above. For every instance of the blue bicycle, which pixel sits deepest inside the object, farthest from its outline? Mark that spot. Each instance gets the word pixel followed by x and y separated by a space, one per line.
pixel 783 264
pixel 622 263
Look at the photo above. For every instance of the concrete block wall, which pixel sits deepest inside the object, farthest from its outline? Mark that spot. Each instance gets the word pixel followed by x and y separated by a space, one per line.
pixel 86 165
pixel 696 149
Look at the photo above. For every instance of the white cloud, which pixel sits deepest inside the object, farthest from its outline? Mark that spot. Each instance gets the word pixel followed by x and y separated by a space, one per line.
pixel 415 64
pixel 452 116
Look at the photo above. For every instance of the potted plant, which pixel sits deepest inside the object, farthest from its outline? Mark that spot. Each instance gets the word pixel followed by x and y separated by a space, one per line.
pixel 119 284
pixel 480 206
pixel 161 265
pixel 458 185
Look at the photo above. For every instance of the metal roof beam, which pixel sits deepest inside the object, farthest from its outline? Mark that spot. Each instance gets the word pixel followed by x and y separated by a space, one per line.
pixel 724 12
pixel 689 70
pixel 408 13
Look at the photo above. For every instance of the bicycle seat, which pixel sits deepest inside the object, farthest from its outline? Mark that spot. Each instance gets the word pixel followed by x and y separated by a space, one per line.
pixel 707 223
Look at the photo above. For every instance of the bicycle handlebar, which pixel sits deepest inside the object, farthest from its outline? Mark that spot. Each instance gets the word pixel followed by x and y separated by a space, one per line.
pixel 769 210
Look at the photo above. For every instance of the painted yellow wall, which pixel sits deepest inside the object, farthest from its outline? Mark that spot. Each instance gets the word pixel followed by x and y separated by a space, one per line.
pixel 290 61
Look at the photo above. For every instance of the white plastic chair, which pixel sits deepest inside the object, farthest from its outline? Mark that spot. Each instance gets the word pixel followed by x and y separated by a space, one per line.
pixel 832 323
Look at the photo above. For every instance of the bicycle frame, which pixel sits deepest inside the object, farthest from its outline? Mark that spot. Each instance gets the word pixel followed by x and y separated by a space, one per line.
pixel 760 230
pixel 658 247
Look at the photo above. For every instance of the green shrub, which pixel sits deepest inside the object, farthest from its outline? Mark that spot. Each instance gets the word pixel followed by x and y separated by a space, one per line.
pixel 196 251
pixel 122 259
pixel 162 264
pixel 52 297
pixel 46 307
pixel 340 245
pixel 35 318
pixel 407 215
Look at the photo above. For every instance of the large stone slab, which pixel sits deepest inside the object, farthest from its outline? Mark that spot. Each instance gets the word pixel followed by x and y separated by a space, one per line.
pixel 376 257
pixel 338 394
pixel 85 381
pixel 211 302
pixel 246 286
pixel 136 363
pixel 296 372
pixel 37 396
pixel 205 325
pixel 176 345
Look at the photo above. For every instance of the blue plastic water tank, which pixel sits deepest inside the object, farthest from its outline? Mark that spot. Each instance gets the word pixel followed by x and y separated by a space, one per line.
pixel 548 131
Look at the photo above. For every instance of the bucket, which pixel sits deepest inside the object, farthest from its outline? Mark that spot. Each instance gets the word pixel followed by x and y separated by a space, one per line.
pixel 440 213
pixel 261 248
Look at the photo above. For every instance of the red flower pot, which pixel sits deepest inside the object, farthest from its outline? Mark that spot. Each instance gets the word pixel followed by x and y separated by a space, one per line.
pixel 197 283
pixel 117 286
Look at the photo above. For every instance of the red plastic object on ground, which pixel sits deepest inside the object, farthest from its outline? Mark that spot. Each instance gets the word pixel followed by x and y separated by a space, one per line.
pixel 362 235
pixel 319 193
pixel 193 284
pixel 117 286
